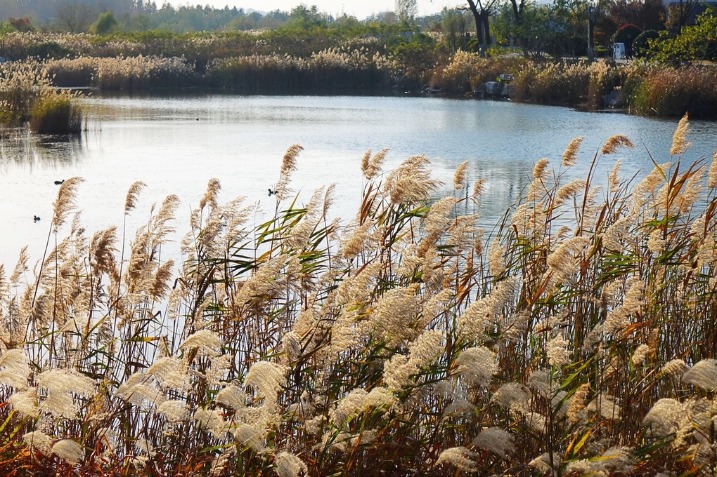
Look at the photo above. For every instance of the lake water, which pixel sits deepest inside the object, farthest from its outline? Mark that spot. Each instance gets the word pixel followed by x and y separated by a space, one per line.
pixel 176 144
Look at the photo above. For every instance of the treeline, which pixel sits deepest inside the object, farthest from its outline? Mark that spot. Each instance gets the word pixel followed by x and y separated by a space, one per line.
pixel 558 28
pixel 77 16
pixel 311 52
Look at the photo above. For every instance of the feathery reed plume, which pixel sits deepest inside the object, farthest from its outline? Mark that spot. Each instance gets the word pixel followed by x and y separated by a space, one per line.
pixel 289 465
pixel 65 201
pixel 69 451
pixel 459 177
pixel 102 248
pixel 210 196
pixel 614 142
pixel 14 369
pixel 712 176
pixel 206 342
pixel 577 403
pixel 213 421
pixel 21 266
pixel 558 351
pixel 132 196
pixel 288 166
pixel 679 139
pixel 38 440
pixel 364 162
pixel 664 417
pixel 410 182
pixel 174 410
pixel 267 379
pixel 640 354
pixel 459 457
pixel 497 441
pixel 675 367
pixel 571 152
pixel 614 177
pixel 25 403
pixel 512 396
pixel 702 375
pixel 477 365
pixel 250 436
pixel 232 397
pixel 61 384
pixel 540 168
pixel 372 167
pixel 160 284
pixel 478 187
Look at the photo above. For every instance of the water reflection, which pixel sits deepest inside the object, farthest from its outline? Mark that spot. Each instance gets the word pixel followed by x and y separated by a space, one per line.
pixel 176 144
pixel 20 147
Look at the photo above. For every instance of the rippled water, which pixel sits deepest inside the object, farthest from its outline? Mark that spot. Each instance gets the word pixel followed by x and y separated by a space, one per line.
pixel 176 144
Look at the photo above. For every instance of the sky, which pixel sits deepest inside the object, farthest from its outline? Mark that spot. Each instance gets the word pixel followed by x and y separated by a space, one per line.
pixel 358 8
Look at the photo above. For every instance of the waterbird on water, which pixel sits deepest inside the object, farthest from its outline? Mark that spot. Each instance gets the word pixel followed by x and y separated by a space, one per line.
pixel 59 182
pixel 271 192
pixel 35 218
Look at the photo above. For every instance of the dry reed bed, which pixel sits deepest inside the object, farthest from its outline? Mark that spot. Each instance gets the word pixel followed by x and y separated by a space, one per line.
pixel 281 63
pixel 406 342
pixel 28 95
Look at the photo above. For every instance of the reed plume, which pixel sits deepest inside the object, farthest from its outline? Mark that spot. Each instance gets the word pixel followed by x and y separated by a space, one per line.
pixel 614 142
pixel 288 166
pixel 679 138
pixel 571 152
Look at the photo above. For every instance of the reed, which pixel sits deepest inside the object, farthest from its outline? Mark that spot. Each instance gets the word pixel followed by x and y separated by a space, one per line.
pixel 27 94
pixel 579 338
pixel 669 91
pixel 56 113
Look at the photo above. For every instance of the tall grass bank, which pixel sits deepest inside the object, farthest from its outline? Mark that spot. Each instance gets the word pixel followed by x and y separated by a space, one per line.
pixel 577 339
pixel 27 95
pixel 375 63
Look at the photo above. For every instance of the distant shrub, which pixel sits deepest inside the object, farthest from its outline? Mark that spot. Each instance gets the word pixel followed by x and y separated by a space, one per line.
pixel 56 113
pixel 21 83
pixel 105 23
pixel 666 91
pixel 641 44
pixel 47 50
pixel 466 72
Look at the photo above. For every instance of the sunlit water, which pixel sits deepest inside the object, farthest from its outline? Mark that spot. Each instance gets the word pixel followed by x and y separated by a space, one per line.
pixel 177 144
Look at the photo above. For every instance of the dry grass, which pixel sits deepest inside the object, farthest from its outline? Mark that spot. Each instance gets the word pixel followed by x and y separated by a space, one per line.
pixel 578 340
pixel 668 91
pixel 28 94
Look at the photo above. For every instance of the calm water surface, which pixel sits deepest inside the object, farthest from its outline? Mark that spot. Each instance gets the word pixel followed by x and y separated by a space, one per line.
pixel 177 144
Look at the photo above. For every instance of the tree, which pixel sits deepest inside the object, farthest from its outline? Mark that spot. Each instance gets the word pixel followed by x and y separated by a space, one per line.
pixel 74 17
pixel 454 27
pixel 694 43
pixel 482 10
pixel 679 14
pixel 21 24
pixel 518 7
pixel 644 14
pixel 105 23
pixel 406 10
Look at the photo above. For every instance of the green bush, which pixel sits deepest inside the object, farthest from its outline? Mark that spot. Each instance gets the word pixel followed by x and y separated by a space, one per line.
pixel 641 44
pixel 55 113
pixel 48 50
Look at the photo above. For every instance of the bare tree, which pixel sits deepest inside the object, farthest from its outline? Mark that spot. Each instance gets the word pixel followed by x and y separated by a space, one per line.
pixel 406 9
pixel 680 13
pixel 74 17
pixel 482 10
pixel 518 8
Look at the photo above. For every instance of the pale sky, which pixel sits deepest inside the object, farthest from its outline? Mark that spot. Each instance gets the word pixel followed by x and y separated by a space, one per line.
pixel 359 8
